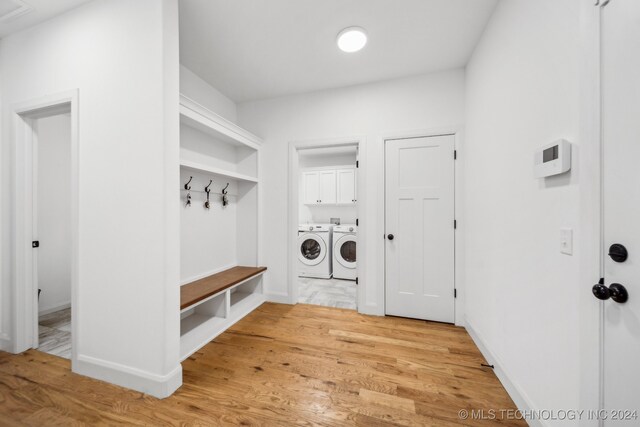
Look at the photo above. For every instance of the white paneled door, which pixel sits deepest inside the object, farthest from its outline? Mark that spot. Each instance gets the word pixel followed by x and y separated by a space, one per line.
pixel 621 149
pixel 419 225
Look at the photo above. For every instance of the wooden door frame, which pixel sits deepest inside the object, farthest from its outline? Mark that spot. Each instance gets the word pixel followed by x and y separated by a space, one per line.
pixel 24 139
pixel 457 133
pixel 293 215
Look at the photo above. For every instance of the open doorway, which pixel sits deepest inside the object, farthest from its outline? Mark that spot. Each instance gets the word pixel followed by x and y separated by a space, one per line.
pixel 52 231
pixel 326 255
pixel 46 225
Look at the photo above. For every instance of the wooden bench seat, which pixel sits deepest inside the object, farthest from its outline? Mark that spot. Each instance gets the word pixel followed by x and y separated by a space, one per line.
pixel 194 292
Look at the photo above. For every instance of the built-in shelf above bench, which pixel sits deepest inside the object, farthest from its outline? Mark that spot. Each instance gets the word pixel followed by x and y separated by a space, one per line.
pixel 218 171
pixel 211 305
pixel 215 149
pixel 201 118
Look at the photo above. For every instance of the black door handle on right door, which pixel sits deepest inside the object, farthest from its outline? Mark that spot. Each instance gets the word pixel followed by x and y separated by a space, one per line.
pixel 616 292
pixel 390 236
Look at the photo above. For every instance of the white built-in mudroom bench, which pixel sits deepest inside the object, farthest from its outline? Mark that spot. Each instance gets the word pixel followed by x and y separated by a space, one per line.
pixel 221 281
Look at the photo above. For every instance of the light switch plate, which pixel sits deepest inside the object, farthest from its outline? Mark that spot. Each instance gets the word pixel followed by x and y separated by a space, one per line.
pixel 566 241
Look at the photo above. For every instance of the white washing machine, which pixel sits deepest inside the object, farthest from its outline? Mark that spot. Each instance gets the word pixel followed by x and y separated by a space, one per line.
pixel 314 250
pixel 344 252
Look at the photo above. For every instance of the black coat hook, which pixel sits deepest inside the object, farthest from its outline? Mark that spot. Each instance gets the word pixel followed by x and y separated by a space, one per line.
pixel 207 205
pixel 188 188
pixel 225 199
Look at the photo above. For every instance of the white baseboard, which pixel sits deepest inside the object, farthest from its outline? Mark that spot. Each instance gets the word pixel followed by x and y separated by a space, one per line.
pixel 371 309
pixel 518 395
pixel 280 298
pixel 54 309
pixel 159 386
pixel 5 343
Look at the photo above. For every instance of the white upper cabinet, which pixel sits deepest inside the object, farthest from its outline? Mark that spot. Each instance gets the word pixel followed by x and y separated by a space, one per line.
pixel 346 186
pixel 311 184
pixel 329 186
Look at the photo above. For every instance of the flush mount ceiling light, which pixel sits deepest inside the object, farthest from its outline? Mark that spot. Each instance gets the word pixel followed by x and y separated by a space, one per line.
pixel 352 39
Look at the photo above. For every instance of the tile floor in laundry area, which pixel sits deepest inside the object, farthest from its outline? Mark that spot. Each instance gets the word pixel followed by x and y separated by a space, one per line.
pixel 327 292
pixel 55 333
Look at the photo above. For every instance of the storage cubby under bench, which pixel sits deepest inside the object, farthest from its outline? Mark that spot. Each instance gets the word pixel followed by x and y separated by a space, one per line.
pixel 212 304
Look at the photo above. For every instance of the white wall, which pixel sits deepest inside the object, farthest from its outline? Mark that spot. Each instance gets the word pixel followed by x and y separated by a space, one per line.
pixel 54 212
pixel 522 293
pixel 372 111
pixel 192 86
pixel 208 238
pixel 122 56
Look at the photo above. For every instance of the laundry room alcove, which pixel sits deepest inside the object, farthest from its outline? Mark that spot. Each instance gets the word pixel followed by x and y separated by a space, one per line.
pixel 221 281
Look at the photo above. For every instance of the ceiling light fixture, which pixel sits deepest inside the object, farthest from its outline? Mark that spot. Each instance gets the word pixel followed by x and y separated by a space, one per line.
pixel 352 39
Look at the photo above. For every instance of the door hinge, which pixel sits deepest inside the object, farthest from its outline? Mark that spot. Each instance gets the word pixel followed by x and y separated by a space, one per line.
pixel 356 280
pixel 455 154
pixel 357 164
pixel 455 293
pixel 455 224
pixel 35 244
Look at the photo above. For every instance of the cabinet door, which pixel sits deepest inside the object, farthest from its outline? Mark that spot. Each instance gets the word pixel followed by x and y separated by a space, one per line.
pixel 327 187
pixel 311 183
pixel 346 186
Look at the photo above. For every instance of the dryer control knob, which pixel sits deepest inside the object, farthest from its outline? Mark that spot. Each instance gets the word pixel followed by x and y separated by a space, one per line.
pixel 311 228
pixel 350 228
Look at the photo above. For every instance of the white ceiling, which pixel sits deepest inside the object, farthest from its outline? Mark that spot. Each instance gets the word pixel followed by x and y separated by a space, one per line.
pixel 42 10
pixel 254 49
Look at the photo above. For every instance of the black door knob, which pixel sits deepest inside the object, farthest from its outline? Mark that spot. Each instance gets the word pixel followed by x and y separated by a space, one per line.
pixel 390 236
pixel 618 252
pixel 616 292
pixel 601 292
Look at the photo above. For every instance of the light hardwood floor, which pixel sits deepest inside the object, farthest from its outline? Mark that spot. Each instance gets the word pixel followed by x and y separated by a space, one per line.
pixel 281 365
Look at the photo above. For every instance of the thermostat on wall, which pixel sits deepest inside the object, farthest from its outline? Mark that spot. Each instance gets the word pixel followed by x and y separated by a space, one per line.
pixel 553 159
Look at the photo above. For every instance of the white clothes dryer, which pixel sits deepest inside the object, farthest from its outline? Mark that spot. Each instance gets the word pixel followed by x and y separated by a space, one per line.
pixel 344 252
